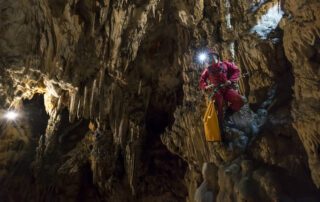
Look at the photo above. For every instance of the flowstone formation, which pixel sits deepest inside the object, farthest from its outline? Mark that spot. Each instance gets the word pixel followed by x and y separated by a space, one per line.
pixel 110 109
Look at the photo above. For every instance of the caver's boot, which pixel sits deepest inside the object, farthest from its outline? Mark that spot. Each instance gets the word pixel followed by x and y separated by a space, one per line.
pixel 228 114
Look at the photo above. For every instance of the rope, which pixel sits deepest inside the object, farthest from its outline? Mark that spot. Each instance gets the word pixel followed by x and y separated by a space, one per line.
pixel 212 94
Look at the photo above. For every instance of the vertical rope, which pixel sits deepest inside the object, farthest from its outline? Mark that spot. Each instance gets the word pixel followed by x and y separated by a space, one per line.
pixel 241 83
pixel 241 86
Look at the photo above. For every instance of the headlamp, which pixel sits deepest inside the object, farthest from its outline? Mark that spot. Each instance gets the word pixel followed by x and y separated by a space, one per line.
pixel 202 57
pixel 11 115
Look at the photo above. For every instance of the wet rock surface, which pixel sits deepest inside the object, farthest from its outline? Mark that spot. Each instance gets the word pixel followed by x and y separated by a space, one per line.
pixel 110 109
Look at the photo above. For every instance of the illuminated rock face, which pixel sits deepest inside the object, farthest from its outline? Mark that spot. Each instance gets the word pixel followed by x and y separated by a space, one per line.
pixel 113 112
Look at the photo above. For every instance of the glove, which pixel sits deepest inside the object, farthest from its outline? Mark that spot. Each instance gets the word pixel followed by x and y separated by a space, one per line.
pixel 227 83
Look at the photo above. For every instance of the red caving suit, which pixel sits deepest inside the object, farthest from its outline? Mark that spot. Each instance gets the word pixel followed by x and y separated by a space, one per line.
pixel 218 76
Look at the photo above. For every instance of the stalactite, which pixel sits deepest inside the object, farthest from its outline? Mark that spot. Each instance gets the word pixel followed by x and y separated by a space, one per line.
pixel 120 89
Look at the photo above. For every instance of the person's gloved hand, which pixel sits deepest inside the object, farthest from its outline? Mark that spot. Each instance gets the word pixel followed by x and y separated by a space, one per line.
pixel 227 83
pixel 208 88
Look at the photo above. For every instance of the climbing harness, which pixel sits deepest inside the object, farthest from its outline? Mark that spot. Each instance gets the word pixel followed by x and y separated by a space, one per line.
pixel 218 70
pixel 222 85
pixel 233 85
pixel 215 90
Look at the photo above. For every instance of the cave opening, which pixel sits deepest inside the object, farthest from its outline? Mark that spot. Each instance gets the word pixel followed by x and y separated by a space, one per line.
pixel 19 140
pixel 163 171
pixel 36 114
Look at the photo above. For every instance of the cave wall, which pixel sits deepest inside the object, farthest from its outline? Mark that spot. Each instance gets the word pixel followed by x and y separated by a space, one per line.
pixel 119 82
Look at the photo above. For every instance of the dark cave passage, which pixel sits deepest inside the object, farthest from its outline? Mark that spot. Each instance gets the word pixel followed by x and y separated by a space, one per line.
pixel 34 110
pixel 164 172
pixel 19 140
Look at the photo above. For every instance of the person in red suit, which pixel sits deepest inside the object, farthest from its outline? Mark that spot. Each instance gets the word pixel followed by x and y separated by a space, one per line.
pixel 222 75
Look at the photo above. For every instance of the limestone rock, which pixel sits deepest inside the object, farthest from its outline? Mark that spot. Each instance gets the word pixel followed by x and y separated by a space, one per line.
pixel 110 109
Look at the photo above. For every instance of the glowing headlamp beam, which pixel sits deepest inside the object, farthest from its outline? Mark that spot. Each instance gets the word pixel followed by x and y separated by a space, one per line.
pixel 202 57
pixel 11 115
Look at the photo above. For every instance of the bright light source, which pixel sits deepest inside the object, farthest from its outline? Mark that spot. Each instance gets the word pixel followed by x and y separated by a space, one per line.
pixel 202 57
pixel 11 115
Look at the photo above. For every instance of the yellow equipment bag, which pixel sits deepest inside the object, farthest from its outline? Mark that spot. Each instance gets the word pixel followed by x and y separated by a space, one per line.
pixel 211 123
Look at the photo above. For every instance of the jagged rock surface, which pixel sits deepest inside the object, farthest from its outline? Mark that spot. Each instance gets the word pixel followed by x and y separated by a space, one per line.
pixel 113 112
